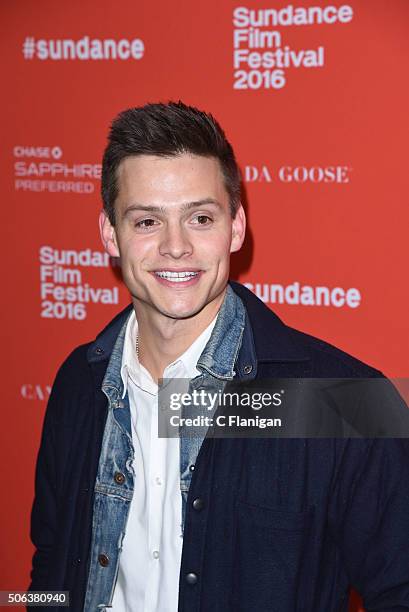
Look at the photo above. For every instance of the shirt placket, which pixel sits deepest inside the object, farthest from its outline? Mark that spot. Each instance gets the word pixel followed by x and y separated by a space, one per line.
pixel 190 444
pixel 155 501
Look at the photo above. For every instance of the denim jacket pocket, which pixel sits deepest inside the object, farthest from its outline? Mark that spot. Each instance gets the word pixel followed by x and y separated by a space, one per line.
pixel 270 547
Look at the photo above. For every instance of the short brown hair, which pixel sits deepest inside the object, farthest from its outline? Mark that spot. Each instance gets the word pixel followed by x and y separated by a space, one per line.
pixel 166 129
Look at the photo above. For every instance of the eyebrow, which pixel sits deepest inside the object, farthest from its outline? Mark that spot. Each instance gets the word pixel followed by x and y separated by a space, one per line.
pixel 161 209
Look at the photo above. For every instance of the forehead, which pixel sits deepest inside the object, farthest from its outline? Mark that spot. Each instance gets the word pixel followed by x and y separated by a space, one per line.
pixel 150 179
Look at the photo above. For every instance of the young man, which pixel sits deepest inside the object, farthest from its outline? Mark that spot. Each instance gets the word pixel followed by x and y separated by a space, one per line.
pixel 126 520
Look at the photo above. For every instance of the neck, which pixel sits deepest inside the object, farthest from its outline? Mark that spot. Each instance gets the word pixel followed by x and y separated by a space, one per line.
pixel 161 340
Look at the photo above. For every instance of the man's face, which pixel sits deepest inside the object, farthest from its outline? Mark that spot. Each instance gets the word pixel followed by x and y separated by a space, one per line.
pixel 174 233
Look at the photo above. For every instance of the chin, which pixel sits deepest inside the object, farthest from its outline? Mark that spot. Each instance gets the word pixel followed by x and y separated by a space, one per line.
pixel 188 309
pixel 181 311
pixel 185 313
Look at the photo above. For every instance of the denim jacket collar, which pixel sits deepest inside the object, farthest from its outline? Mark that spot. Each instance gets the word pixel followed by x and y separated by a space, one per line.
pixel 218 357
pixel 113 379
pixel 220 353
pixel 279 345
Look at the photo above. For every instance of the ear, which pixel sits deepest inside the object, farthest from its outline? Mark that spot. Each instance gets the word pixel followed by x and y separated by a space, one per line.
pixel 238 230
pixel 108 235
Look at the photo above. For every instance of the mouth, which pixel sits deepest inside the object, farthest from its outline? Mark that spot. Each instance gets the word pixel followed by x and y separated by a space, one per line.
pixel 182 277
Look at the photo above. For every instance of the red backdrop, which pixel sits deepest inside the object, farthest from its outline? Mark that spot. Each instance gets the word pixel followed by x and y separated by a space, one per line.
pixel 312 97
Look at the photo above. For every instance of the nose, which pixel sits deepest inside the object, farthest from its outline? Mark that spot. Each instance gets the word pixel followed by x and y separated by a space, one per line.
pixel 175 241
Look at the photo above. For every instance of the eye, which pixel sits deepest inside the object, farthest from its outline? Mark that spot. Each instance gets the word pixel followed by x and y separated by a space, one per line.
pixel 145 223
pixel 202 220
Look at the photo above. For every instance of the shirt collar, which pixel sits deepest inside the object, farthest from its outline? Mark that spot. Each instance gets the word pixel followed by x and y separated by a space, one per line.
pixel 183 367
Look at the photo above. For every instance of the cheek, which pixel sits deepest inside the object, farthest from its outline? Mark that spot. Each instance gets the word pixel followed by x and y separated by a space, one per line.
pixel 224 249
pixel 215 247
pixel 135 252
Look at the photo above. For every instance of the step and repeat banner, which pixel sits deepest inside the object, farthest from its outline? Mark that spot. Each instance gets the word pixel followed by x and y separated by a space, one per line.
pixel 313 97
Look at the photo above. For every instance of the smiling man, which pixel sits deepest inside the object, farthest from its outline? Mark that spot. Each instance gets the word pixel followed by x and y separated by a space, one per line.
pixel 168 213
pixel 126 520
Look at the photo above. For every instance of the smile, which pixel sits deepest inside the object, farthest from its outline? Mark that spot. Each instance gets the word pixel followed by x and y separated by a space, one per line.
pixel 176 277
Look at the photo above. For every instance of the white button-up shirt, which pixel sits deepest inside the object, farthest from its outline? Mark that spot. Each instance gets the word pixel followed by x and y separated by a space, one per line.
pixel 148 577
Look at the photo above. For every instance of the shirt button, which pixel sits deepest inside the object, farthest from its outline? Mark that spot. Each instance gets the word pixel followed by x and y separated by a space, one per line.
pixel 248 368
pixel 119 478
pixel 191 578
pixel 103 560
pixel 155 554
pixel 198 504
pixel 158 480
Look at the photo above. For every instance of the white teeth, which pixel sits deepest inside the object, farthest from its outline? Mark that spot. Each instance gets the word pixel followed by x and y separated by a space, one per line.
pixel 176 277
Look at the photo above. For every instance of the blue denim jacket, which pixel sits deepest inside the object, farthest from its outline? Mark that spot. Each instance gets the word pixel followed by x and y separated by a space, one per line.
pixel 112 501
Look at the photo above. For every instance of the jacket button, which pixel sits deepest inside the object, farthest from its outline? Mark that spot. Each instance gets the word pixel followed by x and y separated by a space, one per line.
pixel 248 368
pixel 191 578
pixel 119 478
pixel 103 560
pixel 198 504
pixel 99 350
